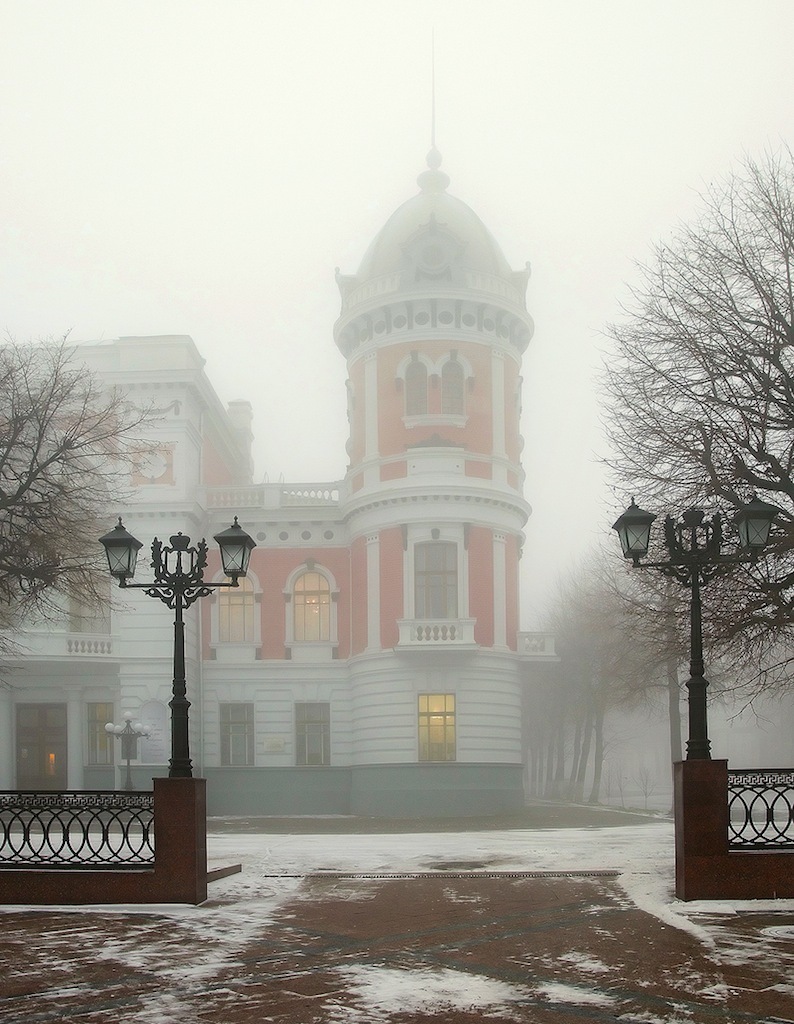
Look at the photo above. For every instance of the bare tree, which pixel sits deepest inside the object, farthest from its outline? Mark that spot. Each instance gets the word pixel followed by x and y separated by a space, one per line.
pixel 66 447
pixel 700 393
pixel 605 662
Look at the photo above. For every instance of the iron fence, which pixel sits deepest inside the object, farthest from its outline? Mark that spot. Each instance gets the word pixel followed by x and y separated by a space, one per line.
pixel 76 829
pixel 761 809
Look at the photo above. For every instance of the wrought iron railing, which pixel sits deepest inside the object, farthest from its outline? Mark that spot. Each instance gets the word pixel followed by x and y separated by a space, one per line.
pixel 76 829
pixel 761 808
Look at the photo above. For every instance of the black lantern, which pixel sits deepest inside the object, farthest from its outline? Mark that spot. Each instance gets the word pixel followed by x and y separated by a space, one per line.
pixel 753 522
pixel 236 546
pixel 634 530
pixel 122 550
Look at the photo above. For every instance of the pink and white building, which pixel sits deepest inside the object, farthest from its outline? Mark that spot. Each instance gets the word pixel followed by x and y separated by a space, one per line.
pixel 372 661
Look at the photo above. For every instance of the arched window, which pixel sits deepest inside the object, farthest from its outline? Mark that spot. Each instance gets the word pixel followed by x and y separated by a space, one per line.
pixel 236 613
pixel 311 603
pixel 416 389
pixel 452 393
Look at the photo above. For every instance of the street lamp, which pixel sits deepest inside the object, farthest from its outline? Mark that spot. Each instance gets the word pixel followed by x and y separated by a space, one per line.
pixel 178 582
pixel 129 733
pixel 694 546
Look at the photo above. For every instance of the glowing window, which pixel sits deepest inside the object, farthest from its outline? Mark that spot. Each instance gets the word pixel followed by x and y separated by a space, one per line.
pixel 311 600
pixel 436 726
pixel 100 743
pixel 236 613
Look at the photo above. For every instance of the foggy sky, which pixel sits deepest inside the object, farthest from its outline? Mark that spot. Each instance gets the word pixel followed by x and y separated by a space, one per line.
pixel 190 167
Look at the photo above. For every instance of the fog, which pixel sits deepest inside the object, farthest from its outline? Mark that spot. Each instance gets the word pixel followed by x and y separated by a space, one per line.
pixel 201 168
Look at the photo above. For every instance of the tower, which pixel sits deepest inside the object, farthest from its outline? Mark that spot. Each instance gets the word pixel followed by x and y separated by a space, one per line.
pixel 433 326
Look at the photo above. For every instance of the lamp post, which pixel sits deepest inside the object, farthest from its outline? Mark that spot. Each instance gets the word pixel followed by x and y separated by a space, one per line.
pixel 178 583
pixel 129 733
pixel 694 546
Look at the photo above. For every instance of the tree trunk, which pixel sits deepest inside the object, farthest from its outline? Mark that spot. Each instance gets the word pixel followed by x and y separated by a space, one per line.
pixel 598 753
pixel 587 730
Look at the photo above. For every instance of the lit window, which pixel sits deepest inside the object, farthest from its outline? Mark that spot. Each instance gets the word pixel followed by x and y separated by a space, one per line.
pixel 236 613
pixel 452 394
pixel 436 580
pixel 100 743
pixel 416 389
pixel 313 733
pixel 237 734
pixel 437 727
pixel 311 599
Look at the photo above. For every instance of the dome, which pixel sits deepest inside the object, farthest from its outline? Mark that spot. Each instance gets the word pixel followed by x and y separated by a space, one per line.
pixel 433 211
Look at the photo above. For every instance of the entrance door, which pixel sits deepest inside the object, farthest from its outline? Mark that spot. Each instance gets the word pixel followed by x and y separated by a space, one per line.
pixel 41 746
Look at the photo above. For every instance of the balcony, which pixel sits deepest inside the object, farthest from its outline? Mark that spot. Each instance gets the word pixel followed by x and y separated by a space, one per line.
pixel 56 645
pixel 446 634
pixel 537 646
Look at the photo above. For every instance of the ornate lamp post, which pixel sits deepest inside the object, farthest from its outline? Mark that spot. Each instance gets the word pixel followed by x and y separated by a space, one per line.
pixel 129 733
pixel 178 582
pixel 694 546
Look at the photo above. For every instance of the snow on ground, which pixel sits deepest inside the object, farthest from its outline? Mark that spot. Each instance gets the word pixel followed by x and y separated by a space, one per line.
pixel 272 866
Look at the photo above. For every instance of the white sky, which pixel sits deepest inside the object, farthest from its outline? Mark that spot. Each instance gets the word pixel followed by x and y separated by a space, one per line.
pixel 197 167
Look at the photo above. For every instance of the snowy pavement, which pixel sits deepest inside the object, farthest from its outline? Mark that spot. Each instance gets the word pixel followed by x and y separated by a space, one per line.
pixel 508 927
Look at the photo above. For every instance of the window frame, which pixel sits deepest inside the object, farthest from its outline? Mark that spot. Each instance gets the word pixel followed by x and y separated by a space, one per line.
pixel 227 736
pixel 304 733
pixel 447 724
pixel 99 741
pixel 432 583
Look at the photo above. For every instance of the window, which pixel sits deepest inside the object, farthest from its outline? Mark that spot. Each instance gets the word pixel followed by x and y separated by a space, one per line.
pixel 237 734
pixel 89 617
pixel 452 394
pixel 236 613
pixel 436 580
pixel 313 733
pixel 100 743
pixel 311 599
pixel 416 389
pixel 437 727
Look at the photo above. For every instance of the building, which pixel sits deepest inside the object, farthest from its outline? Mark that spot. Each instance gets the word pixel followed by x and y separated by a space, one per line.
pixel 371 663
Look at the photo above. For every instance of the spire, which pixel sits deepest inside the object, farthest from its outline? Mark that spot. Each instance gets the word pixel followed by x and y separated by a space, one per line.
pixel 433 179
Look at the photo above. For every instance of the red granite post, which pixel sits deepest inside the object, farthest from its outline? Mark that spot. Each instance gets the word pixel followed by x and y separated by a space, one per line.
pixel 701 824
pixel 180 839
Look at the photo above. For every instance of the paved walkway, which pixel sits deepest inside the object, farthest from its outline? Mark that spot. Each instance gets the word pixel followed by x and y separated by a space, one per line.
pixel 453 949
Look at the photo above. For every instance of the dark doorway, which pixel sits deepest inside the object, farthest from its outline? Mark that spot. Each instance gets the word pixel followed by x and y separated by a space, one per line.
pixel 41 746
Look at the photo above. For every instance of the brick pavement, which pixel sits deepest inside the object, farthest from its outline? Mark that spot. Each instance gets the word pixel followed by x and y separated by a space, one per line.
pixel 350 950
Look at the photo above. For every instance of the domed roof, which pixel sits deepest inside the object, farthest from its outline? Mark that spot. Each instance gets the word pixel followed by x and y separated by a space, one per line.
pixel 431 211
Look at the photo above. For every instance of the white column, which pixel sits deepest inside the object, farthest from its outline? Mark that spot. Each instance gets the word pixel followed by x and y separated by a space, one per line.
pixel 498 403
pixel 7 745
pixel 499 590
pixel 373 592
pixel 74 740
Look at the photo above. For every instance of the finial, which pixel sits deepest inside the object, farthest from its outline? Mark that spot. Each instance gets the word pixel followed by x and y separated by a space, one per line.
pixel 433 91
pixel 433 179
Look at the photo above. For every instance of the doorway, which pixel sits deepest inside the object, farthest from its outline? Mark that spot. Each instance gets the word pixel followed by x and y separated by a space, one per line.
pixel 41 746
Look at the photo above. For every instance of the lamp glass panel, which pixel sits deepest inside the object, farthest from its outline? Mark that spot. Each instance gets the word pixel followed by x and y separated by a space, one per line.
pixel 121 560
pixel 754 533
pixel 233 556
pixel 635 537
